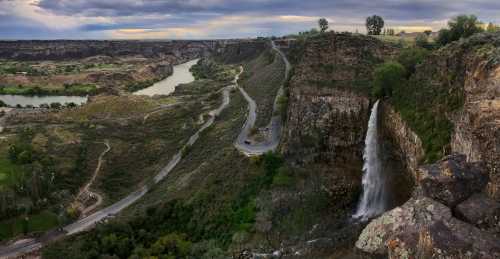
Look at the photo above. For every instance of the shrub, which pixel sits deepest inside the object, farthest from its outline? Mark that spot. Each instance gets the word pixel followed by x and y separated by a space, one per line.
pixel 462 26
pixel 410 57
pixel 388 76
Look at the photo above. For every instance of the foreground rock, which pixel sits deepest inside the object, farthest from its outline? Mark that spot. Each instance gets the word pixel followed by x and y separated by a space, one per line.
pixel 481 211
pixel 452 180
pixel 425 228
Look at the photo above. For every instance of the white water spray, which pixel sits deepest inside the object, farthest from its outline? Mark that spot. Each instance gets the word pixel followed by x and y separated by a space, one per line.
pixel 374 199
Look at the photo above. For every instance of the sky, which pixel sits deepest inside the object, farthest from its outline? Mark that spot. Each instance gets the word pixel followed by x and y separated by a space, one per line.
pixel 221 19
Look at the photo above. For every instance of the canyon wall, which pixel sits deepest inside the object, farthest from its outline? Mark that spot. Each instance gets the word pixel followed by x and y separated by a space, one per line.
pixel 407 144
pixel 77 49
pixel 472 68
pixel 328 103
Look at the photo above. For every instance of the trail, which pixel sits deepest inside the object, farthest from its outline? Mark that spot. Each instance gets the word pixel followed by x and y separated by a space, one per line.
pixel 90 221
pixel 272 140
pixel 86 188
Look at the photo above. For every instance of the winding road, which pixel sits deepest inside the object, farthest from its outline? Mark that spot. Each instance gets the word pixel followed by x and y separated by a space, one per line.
pixel 30 245
pixel 249 149
pixel 272 141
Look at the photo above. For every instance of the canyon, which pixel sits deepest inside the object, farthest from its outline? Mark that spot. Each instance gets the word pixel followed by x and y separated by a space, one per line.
pixel 298 202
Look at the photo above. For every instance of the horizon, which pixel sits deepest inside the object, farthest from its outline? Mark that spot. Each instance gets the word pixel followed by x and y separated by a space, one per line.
pixel 219 19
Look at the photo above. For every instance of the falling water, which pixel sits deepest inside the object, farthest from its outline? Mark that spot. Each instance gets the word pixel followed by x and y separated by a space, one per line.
pixel 374 200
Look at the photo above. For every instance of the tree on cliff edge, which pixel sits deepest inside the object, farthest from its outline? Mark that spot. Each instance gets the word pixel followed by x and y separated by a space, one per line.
pixel 323 24
pixel 374 25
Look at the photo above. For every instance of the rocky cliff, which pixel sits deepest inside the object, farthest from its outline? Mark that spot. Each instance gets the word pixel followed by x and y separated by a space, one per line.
pixel 461 82
pixel 77 49
pixel 407 144
pixel 455 210
pixel 328 104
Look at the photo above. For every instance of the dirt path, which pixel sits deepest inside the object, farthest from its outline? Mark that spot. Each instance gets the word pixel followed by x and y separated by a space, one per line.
pixel 86 188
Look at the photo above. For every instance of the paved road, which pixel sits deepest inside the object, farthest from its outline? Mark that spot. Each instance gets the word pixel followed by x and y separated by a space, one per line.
pixel 90 221
pixel 275 124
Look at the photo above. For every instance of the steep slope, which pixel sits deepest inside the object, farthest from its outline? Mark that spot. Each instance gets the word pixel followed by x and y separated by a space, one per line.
pixel 328 101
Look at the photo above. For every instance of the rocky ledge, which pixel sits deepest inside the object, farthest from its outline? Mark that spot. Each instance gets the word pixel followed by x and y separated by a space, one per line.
pixel 447 217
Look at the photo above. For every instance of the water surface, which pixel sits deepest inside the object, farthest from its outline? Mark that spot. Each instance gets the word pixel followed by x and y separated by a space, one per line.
pixel 36 101
pixel 180 75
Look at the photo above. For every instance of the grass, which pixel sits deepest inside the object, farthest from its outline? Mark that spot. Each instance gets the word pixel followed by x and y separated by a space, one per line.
pixel 9 172
pixel 73 89
pixel 36 223
pixel 262 78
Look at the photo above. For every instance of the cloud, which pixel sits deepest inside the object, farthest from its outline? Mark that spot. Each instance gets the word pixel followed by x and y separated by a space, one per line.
pixel 221 18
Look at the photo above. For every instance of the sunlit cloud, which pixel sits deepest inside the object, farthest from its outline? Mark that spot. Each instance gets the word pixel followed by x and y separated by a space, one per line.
pixel 155 19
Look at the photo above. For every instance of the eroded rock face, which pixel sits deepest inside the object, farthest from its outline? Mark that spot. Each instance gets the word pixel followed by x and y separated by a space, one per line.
pixel 407 142
pixel 328 105
pixel 76 49
pixel 425 228
pixel 452 180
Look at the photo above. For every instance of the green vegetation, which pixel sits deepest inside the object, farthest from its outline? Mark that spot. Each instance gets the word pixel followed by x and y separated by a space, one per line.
pixel 410 58
pixel 262 77
pixel 462 26
pixel 35 223
pixel 422 104
pixel 208 69
pixel 374 25
pixel 388 77
pixel 69 89
pixel 139 85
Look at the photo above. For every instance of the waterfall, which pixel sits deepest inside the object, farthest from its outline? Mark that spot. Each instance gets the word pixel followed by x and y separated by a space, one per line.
pixel 374 199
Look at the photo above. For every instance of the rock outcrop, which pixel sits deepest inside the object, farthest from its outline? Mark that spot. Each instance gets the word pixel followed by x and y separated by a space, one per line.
pixel 452 180
pixel 328 104
pixel 424 227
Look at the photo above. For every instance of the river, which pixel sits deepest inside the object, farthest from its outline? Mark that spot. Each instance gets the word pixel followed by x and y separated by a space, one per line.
pixel 36 101
pixel 180 75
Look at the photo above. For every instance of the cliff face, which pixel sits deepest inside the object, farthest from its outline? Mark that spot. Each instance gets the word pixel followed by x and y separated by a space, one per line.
pixel 238 51
pixel 408 146
pixel 74 49
pixel 472 68
pixel 328 103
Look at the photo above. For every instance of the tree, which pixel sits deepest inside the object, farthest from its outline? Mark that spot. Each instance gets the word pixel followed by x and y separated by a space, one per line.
pixel 411 57
pixel 388 77
pixel 428 32
pixel 323 24
pixel 444 37
pixel 374 25
pixel 55 105
pixel 462 26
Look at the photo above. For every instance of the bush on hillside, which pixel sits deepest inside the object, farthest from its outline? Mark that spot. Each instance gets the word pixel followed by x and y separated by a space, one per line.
pixel 388 77
pixel 410 58
pixel 462 26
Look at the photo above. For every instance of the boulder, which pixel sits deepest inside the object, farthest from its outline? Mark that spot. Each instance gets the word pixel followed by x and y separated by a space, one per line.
pixel 425 228
pixel 452 180
pixel 481 211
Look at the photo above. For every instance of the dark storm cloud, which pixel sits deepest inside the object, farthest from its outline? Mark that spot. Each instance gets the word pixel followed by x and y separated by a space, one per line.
pixel 404 10
pixel 104 16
